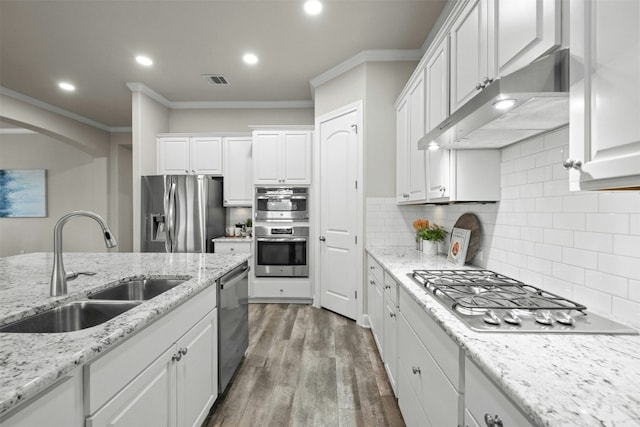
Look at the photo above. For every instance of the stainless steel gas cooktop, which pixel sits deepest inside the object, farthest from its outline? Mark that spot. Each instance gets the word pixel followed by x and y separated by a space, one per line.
pixel 490 302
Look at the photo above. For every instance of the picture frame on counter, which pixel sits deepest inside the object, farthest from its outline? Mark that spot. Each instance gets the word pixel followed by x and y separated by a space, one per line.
pixel 459 245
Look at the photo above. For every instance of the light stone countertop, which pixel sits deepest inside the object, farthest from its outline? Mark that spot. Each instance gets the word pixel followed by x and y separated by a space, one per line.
pixel 29 363
pixel 557 380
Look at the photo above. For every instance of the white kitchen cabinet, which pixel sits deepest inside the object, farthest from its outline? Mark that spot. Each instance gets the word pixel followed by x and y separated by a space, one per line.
pixel 493 38
pixel 471 53
pixel 186 155
pixel 390 331
pixel 605 105
pixel 410 170
pixel 430 363
pixel 238 172
pixel 464 175
pixel 483 400
pixel 233 246
pixel 375 302
pixel 524 30
pixel 165 375
pixel 282 157
pixel 437 84
pixel 58 406
pixel 280 289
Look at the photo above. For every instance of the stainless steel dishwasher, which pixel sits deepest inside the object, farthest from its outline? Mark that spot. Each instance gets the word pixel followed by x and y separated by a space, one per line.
pixel 233 322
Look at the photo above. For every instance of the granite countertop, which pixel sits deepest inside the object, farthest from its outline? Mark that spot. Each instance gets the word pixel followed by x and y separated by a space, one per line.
pixel 557 380
pixel 233 239
pixel 30 363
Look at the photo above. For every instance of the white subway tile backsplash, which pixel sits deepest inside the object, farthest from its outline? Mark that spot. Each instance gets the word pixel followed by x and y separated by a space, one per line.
pixel 599 242
pixel 511 152
pixel 569 221
pixel 548 252
pixel 555 188
pixel 568 273
pixel 584 203
pixel 532 190
pixel 627 246
pixel 525 163
pixel 596 301
pixel 614 285
pixel 619 265
pixel 541 174
pixel 608 223
pixel 619 202
pixel 559 238
pixel 579 257
pixel 557 286
pixel 530 147
pixel 634 224
pixel 539 265
pixel 634 290
pixel 548 204
pixel 626 310
pixel 557 138
pixel 543 220
pixel 532 234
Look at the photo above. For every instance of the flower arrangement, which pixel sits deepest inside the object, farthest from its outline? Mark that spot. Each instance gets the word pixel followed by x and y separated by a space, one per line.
pixel 427 231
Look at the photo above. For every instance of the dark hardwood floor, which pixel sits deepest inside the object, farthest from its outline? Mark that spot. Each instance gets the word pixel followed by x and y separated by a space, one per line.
pixel 307 367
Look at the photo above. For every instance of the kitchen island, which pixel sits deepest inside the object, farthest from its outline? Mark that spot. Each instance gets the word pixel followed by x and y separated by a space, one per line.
pixel 554 379
pixel 32 362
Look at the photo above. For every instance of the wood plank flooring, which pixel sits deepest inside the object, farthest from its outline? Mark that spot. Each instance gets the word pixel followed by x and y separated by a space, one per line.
pixel 307 367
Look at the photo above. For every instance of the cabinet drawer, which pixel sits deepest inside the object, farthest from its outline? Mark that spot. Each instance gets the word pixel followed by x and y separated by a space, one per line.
pixel 281 290
pixel 232 247
pixel 483 397
pixel 110 373
pixel 374 269
pixel 437 396
pixel 410 406
pixel 443 350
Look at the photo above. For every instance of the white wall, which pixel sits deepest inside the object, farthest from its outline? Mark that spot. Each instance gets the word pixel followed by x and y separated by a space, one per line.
pixel 236 120
pixel 76 180
pixel 584 245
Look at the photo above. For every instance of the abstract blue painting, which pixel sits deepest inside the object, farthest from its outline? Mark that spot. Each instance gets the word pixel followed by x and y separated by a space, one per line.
pixel 23 193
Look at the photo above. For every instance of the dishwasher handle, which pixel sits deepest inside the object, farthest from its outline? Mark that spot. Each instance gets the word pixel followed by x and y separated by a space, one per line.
pixel 234 276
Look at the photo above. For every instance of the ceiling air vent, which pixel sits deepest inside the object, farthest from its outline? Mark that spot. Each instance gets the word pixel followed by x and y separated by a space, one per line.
pixel 216 79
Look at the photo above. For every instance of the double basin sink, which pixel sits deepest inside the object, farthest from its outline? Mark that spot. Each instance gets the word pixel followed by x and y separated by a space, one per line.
pixel 101 306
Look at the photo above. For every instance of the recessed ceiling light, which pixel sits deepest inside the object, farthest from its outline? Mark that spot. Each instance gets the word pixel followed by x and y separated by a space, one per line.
pixel 66 86
pixel 504 104
pixel 144 60
pixel 250 58
pixel 313 7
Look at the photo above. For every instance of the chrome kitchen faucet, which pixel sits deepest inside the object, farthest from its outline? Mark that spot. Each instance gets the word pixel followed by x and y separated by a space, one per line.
pixel 59 276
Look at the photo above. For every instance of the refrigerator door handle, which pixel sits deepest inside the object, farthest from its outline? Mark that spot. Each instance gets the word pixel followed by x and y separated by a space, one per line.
pixel 203 202
pixel 170 209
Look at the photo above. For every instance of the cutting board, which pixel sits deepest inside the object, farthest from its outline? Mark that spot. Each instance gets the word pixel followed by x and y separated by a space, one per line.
pixel 469 221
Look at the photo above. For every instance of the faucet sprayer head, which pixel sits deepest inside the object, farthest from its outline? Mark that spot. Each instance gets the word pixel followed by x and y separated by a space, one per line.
pixel 109 238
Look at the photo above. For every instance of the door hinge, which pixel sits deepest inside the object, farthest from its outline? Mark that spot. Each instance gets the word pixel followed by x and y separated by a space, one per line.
pixel 356 295
pixel 356 185
pixel 355 128
pixel 356 240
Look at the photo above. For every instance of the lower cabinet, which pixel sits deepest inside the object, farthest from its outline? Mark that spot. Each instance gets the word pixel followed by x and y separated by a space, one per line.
pixel 486 403
pixel 390 348
pixel 274 289
pixel 164 375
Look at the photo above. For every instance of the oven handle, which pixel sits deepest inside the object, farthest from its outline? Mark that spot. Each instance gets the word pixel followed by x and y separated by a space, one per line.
pixel 282 239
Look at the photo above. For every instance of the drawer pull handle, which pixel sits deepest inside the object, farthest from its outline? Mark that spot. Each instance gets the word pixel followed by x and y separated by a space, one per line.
pixel 392 315
pixel 494 421
pixel 176 357
pixel 415 369
pixel 373 282
pixel 183 351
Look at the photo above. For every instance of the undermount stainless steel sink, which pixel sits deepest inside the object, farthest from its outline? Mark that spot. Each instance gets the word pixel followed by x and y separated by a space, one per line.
pixel 72 316
pixel 136 290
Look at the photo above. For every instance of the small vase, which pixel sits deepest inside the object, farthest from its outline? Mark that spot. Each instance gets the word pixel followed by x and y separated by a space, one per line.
pixel 430 247
pixel 419 244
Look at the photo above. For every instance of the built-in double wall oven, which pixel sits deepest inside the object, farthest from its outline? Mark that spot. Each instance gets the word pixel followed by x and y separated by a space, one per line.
pixel 282 204
pixel 282 251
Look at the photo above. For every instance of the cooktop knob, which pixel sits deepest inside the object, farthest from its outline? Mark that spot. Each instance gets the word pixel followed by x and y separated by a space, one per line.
pixel 512 318
pixel 564 318
pixel 491 318
pixel 543 317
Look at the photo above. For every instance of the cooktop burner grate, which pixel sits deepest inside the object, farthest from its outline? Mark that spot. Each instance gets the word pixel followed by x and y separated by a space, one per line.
pixel 484 289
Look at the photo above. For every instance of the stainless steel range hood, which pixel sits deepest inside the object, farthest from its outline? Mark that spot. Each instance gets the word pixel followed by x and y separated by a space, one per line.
pixel 540 94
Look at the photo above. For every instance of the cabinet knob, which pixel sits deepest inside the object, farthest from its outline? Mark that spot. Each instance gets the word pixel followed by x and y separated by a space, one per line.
pixel 405 195
pixel 392 315
pixel 322 238
pixel 479 86
pixel 487 81
pixel 372 282
pixel 494 421
pixel 176 357
pixel 415 369
pixel 186 171
pixel 183 351
pixel 572 164
pixel 387 286
pixel 372 267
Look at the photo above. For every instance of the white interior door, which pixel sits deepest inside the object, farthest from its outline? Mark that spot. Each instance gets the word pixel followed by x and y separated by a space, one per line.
pixel 339 213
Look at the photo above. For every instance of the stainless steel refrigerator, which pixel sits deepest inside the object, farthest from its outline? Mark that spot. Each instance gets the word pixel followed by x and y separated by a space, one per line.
pixel 181 213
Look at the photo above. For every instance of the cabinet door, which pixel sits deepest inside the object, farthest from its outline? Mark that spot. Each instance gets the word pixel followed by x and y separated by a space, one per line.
pixel 206 155
pixel 402 155
pixel 605 106
pixel 469 52
pixel 417 158
pixel 266 158
pixel 197 371
pixel 238 172
pixel 390 356
pixel 437 85
pixel 438 168
pixel 173 156
pixel 148 400
pixel 296 160
pixel 525 30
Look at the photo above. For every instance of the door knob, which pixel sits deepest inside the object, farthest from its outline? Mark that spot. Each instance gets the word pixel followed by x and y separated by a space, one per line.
pixel 322 238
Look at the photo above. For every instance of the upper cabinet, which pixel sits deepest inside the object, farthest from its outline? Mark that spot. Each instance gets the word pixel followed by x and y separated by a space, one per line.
pixel 282 157
pixel 410 161
pixel 605 102
pixel 493 38
pixel 185 155
pixel 238 166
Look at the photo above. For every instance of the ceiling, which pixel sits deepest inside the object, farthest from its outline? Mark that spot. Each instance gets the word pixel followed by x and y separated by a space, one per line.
pixel 93 44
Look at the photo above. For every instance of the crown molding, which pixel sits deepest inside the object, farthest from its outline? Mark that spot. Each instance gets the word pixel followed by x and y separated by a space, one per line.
pixel 241 104
pixel 16 131
pixel 371 55
pixel 143 88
